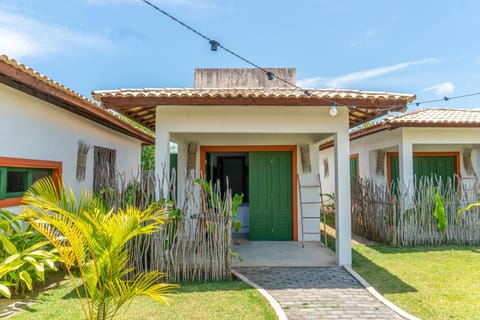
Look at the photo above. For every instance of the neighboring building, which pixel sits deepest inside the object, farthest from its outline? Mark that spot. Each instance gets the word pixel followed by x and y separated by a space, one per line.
pixel 260 134
pixel 425 142
pixel 42 124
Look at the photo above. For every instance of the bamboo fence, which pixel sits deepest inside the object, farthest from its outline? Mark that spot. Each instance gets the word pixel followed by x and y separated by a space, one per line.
pixel 194 246
pixel 405 218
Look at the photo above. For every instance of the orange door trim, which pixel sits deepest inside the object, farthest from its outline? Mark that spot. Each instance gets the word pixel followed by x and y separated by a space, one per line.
pixel 290 148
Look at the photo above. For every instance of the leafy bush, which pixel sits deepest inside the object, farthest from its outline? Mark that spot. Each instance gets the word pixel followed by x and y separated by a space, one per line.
pixel 93 239
pixel 25 256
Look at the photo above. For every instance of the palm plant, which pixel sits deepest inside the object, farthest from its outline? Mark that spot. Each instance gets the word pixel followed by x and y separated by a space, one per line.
pixel 93 238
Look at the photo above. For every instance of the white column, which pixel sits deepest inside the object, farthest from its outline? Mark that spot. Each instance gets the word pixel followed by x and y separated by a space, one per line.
pixel 405 157
pixel 181 172
pixel 364 163
pixel 343 223
pixel 406 163
pixel 162 162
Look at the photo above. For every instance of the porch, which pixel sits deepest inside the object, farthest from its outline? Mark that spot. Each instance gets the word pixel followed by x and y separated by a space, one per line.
pixel 282 254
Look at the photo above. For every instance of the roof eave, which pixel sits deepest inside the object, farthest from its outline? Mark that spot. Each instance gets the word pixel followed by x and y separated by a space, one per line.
pixel 19 79
pixel 365 109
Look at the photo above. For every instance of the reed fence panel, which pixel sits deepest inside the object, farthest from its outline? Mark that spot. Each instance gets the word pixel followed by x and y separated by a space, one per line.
pixel 405 216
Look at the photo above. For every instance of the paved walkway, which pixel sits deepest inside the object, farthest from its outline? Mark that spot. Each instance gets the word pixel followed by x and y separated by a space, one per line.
pixel 318 293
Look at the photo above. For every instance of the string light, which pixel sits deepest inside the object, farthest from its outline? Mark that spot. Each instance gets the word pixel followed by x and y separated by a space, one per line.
pixel 447 98
pixel 333 109
pixel 214 45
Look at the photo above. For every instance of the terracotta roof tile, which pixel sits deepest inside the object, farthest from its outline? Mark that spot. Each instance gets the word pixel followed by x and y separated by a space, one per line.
pixel 27 70
pixel 19 76
pixel 427 117
pixel 443 116
pixel 248 93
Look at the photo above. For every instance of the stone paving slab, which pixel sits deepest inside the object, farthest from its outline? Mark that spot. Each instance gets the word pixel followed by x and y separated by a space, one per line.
pixel 318 293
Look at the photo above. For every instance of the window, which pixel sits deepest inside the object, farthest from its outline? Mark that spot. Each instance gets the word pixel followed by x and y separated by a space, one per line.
pixel 17 180
pixel 444 165
pixel 17 175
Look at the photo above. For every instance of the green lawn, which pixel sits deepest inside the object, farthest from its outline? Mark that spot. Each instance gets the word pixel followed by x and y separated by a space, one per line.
pixel 217 300
pixel 428 282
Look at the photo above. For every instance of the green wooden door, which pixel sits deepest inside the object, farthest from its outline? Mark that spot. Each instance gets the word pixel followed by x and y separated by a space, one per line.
pixel 270 195
pixel 443 167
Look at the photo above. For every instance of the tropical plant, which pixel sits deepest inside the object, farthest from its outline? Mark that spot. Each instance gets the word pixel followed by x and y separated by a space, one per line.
pixel 467 208
pixel 439 212
pixel 148 158
pixel 93 239
pixel 25 256
pixel 214 199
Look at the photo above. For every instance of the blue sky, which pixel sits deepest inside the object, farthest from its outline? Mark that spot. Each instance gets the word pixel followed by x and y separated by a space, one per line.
pixel 429 48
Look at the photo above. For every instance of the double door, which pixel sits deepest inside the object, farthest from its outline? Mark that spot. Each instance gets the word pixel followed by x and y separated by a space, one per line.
pixel 270 195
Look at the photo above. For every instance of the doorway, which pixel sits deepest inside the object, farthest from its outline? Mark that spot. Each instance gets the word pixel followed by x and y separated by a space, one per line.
pixel 267 180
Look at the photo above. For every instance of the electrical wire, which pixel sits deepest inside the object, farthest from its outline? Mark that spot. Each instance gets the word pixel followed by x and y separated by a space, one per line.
pixel 214 45
pixel 447 98
pixel 233 53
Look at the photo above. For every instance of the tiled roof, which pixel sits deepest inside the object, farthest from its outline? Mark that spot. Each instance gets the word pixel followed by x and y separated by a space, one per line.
pixel 29 71
pixel 427 117
pixel 139 104
pixel 252 93
pixel 443 116
pixel 26 79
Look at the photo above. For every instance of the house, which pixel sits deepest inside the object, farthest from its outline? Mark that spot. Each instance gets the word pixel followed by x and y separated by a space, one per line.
pixel 48 129
pixel 261 134
pixel 424 142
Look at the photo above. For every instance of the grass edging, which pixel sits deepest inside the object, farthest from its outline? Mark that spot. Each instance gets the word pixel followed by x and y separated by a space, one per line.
pixel 275 305
pixel 378 296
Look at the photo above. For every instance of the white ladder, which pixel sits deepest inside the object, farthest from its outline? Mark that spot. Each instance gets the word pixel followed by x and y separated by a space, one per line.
pixel 312 202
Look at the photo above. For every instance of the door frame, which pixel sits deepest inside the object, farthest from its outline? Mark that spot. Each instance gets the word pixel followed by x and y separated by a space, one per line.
pixel 290 148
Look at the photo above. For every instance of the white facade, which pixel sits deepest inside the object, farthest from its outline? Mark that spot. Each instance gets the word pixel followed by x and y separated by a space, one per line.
pixel 406 141
pixel 261 126
pixel 31 128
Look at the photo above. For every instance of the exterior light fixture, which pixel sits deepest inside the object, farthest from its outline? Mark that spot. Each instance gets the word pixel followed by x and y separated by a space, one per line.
pixel 269 75
pixel 307 93
pixel 213 45
pixel 333 109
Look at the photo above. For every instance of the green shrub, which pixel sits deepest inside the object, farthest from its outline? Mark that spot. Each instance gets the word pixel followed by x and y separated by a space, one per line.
pixel 25 256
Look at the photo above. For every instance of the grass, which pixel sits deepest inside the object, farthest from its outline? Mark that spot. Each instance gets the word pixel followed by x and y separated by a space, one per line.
pixel 215 300
pixel 428 282
pixel 441 282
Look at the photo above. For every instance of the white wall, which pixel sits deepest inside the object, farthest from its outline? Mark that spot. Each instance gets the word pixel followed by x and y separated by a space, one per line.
pixel 257 125
pixel 420 139
pixel 33 129
pixel 327 179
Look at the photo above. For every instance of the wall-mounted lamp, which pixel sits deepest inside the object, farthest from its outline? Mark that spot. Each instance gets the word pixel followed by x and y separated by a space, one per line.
pixel 270 75
pixel 333 109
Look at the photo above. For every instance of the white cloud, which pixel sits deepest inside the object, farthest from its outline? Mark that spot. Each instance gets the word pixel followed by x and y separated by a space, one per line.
pixel 22 36
pixel 344 80
pixel 310 82
pixel 442 88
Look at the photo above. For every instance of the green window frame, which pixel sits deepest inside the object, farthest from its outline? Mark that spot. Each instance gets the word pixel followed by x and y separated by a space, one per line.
pixel 29 179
